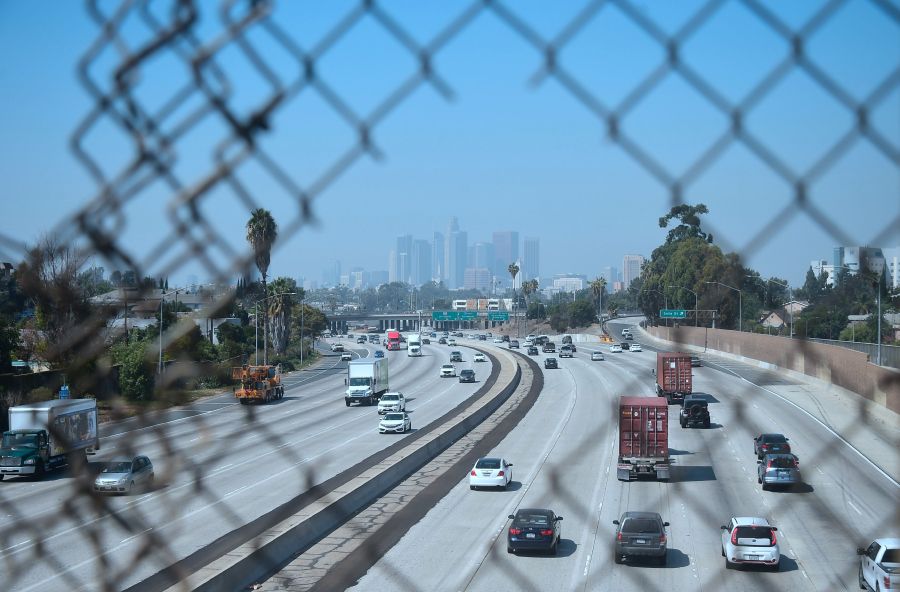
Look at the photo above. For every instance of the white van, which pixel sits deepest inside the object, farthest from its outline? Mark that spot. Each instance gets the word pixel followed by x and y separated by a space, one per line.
pixel 414 351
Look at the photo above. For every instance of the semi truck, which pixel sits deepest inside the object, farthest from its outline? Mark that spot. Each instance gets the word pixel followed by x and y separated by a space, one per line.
pixel 394 341
pixel 366 381
pixel 257 384
pixel 673 376
pixel 643 438
pixel 44 436
pixel 414 345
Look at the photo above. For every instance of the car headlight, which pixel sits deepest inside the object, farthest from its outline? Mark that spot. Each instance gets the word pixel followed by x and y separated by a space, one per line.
pixel 123 480
pixel 28 461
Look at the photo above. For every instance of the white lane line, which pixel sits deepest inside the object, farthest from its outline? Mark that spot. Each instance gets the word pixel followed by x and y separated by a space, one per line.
pixel 587 566
pixel 132 537
pixel 855 509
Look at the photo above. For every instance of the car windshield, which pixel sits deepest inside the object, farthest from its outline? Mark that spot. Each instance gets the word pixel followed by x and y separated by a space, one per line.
pixel 20 440
pixel 394 417
pixel 640 525
pixel 360 381
pixel 117 467
pixel 390 398
pixel 532 519
pixel 447 366
pixel 488 463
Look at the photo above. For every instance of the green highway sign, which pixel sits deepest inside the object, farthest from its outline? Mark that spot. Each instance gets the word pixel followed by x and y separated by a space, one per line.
pixel 468 315
pixel 454 315
pixel 497 316
pixel 672 313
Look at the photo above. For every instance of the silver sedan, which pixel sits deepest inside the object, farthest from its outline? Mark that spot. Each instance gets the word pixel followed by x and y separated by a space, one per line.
pixel 124 475
pixel 778 469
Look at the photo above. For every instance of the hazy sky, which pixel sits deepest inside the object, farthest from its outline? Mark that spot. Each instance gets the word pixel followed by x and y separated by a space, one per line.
pixel 503 154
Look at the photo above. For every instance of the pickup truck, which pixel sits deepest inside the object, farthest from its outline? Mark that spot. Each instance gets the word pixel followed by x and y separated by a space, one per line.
pixel 879 565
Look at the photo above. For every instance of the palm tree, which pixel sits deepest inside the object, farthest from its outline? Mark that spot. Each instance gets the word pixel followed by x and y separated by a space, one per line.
pixel 597 287
pixel 261 234
pixel 514 271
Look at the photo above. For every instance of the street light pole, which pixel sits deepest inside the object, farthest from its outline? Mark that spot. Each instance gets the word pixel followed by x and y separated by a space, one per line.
pixel 740 304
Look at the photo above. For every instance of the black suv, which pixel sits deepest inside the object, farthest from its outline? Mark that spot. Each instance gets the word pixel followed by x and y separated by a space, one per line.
pixel 550 363
pixel 532 350
pixel 694 412
pixel 467 375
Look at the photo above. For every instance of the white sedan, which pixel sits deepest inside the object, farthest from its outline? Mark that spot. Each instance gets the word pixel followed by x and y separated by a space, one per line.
pixel 448 371
pixel 497 340
pixel 595 356
pixel 346 357
pixel 615 348
pixel 394 422
pixel 479 357
pixel 490 472
pixel 635 347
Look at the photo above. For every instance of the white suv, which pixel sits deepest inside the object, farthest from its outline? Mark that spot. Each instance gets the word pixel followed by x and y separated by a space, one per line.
pixel 749 540
pixel 448 371
pixel 391 402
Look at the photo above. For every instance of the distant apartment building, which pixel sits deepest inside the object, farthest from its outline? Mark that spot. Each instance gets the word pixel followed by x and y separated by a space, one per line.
pixel 403 259
pixel 531 262
pixel 506 251
pixel 618 287
pixel 892 266
pixel 853 259
pixel 631 268
pixel 477 278
pixel 569 282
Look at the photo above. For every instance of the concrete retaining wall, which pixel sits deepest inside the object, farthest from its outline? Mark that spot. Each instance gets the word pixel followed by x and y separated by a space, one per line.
pixel 840 366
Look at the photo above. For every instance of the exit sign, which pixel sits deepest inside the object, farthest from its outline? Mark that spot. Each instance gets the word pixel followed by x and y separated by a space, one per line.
pixel 672 313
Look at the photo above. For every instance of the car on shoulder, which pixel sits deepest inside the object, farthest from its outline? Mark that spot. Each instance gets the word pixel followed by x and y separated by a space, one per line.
pixel 391 402
pixel 748 540
pixel 467 375
pixel 346 356
pixel 479 357
pixel 394 422
pixel 448 371
pixel 532 350
pixel 778 470
pixel 456 356
pixel 513 344
pixel 597 356
pixel 770 444
pixel 879 565
pixel 125 475
pixel 694 412
pixel 490 471
pixel 695 361
pixel 565 351
pixel 379 354
pixel 640 535
pixel 615 348
pixel 534 529
pixel 635 347
pixel 550 363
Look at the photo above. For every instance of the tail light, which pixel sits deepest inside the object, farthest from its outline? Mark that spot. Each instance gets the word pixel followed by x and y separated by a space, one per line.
pixel 734 537
pixel 662 539
pixel 774 538
pixel 473 473
pixel 515 531
pixel 887 582
pixel 547 532
pixel 769 465
pixel 500 474
pixel 618 536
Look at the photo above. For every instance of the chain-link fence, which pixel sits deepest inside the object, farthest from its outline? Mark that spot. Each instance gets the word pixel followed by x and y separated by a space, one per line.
pixel 242 65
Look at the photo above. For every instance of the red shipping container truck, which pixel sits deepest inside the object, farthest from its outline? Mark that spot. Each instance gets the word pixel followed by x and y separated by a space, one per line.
pixel 673 376
pixel 643 438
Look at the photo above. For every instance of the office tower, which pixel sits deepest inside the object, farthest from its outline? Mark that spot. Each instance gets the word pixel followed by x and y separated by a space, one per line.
pixel 531 262
pixel 421 262
pixel 477 278
pixel 403 260
pixel 631 269
pixel 506 251
pixel 452 227
pixel 610 274
pixel 437 257
pixel 458 252
pixel 392 266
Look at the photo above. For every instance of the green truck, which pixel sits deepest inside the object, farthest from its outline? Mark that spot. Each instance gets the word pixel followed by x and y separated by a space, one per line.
pixel 44 436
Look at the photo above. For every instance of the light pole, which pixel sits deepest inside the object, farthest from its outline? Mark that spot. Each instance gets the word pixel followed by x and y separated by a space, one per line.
pixel 256 323
pixel 740 304
pixel 696 323
pixel 302 310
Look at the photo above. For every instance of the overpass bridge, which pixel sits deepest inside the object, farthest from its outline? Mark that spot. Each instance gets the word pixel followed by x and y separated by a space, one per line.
pixel 409 321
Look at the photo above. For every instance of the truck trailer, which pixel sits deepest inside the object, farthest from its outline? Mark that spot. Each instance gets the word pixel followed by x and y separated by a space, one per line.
pixel 257 384
pixel 643 438
pixel 366 381
pixel 44 436
pixel 673 376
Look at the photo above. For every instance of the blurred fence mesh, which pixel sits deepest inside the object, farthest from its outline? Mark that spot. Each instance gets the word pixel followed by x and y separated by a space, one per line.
pixel 135 35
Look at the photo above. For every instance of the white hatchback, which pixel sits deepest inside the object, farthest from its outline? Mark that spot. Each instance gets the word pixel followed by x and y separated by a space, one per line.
pixel 490 472
pixel 479 357
pixel 615 348
pixel 635 347
pixel 751 541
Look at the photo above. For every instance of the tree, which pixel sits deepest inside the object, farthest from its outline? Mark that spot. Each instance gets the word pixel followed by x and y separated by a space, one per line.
pixel 689 216
pixel 280 310
pixel 135 369
pixel 513 270
pixel 581 313
pixel 597 288
pixel 261 234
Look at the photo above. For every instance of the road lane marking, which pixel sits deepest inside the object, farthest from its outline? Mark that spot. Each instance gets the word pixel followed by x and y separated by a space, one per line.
pixel 855 509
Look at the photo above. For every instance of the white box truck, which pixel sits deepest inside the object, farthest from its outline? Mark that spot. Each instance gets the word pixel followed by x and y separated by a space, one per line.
pixel 43 436
pixel 414 345
pixel 366 380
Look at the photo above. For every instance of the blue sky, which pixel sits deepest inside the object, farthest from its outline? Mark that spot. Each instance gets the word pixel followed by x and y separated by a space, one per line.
pixel 504 153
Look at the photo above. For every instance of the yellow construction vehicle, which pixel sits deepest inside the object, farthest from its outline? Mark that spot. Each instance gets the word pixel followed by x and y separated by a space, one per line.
pixel 257 383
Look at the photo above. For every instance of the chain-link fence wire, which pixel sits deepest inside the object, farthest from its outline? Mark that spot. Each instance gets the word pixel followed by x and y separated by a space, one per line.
pixel 134 34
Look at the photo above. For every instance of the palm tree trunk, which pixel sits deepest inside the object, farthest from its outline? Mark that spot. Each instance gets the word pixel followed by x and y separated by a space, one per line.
pixel 265 321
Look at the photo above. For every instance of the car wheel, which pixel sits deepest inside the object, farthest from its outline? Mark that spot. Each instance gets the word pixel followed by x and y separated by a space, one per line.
pixel 723 551
pixel 765 487
pixel 862 582
pixel 554 550
pixel 728 564
pixel 777 566
pixel 473 487
pixel 130 489
pixel 511 550
pixel 758 479
pixel 346 402
pixel 661 561
pixel 617 559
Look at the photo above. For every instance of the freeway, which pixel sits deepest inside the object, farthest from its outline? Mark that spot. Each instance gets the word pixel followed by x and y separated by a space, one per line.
pixel 564 455
pixel 216 471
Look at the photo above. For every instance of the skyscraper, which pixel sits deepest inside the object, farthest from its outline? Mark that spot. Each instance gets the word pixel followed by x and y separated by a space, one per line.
pixel 481 255
pixel 631 269
pixel 610 274
pixel 452 227
pixel 403 260
pixel 437 257
pixel 458 255
pixel 421 262
pixel 506 251
pixel 532 262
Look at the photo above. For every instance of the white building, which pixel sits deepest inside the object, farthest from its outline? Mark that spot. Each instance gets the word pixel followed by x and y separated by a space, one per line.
pixel 631 268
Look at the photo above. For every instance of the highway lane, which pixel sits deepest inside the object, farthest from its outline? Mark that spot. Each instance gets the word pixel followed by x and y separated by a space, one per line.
pixel 564 454
pixel 218 471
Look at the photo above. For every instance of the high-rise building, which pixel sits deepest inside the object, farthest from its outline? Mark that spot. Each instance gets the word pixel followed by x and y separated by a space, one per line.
pixel 458 259
pixel 392 266
pixel 506 251
pixel 477 278
pixel 421 262
pixel 481 255
pixel 610 274
pixel 631 269
pixel 892 266
pixel 532 262
pixel 437 257
pixel 403 261
pixel 452 228
pixel 853 259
